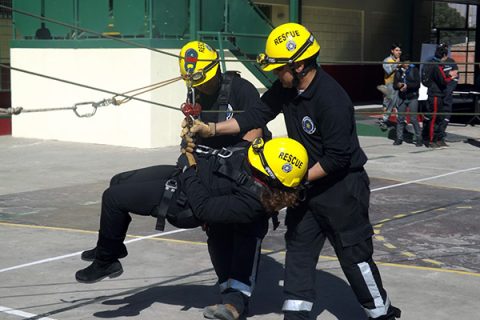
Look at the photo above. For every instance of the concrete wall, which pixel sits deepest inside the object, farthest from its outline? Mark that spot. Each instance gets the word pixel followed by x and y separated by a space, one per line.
pixel 358 30
pixel 134 124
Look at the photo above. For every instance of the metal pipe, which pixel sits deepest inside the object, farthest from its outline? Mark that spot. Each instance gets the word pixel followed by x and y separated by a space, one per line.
pixel 194 13
pixel 293 10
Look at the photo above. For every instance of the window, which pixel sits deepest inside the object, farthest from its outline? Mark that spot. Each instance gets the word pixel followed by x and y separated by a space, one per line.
pixel 4 13
pixel 455 24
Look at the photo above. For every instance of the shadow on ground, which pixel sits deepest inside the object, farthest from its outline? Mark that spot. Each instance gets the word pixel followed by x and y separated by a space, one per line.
pixel 334 296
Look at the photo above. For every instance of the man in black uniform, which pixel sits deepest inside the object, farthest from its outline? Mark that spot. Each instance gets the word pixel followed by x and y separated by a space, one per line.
pixel 320 115
pixel 234 248
pixel 437 80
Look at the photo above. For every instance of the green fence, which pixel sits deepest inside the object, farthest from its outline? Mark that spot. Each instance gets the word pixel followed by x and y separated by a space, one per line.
pixel 231 24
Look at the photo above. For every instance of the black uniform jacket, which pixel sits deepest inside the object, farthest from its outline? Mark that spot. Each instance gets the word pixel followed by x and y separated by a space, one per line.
pixel 321 119
pixel 243 96
pixel 439 79
pixel 411 77
pixel 217 198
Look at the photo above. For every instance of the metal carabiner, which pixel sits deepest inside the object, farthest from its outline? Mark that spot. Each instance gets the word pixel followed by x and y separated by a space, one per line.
pixel 85 115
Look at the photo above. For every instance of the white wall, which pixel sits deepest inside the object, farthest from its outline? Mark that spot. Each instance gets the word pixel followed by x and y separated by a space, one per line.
pixel 134 124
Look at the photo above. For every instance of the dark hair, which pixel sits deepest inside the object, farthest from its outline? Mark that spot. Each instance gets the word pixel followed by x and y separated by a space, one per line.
pixel 441 51
pixel 395 45
pixel 405 57
pixel 275 199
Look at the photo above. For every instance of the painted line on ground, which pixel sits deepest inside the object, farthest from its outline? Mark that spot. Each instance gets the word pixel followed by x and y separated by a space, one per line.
pixel 181 230
pixel 79 252
pixel 330 258
pixel 425 179
pixel 22 314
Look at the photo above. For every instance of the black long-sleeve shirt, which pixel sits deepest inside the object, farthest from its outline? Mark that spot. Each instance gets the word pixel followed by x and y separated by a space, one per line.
pixel 243 96
pixel 215 198
pixel 410 76
pixel 321 118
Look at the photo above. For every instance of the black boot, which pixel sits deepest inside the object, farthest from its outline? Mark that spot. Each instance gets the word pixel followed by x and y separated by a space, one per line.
pixel 419 142
pixel 89 255
pixel 99 270
pixel 397 142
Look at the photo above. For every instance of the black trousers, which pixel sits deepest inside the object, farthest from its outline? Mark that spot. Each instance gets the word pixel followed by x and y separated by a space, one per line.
pixel 137 191
pixel 234 248
pixel 337 211
pixel 235 253
pixel 434 124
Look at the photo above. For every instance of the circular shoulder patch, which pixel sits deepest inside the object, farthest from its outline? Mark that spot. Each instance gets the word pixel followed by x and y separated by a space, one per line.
pixel 308 125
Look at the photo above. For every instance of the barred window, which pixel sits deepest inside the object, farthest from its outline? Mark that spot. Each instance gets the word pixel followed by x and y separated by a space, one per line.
pixel 5 13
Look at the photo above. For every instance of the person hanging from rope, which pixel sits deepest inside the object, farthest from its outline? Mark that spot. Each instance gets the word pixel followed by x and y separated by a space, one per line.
pixel 215 186
pixel 320 115
pixel 234 248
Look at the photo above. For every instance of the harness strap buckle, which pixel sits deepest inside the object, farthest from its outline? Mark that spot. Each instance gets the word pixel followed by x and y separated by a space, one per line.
pixel 202 149
pixel 171 185
pixel 224 153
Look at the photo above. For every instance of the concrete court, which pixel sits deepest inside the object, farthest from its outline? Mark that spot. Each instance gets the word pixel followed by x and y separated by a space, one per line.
pixel 424 207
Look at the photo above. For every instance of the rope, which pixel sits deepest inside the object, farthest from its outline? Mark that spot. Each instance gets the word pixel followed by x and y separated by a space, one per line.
pixel 95 105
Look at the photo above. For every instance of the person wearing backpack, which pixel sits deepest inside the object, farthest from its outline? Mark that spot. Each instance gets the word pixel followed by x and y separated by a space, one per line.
pixel 436 80
pixel 407 83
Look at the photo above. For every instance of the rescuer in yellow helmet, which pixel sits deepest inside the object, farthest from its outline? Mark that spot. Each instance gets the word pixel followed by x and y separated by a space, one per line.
pixel 319 114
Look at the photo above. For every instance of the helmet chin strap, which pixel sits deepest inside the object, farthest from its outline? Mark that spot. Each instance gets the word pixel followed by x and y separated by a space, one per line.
pixel 297 76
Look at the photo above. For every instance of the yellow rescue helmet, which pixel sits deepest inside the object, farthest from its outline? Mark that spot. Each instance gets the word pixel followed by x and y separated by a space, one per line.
pixel 198 62
pixel 281 159
pixel 287 43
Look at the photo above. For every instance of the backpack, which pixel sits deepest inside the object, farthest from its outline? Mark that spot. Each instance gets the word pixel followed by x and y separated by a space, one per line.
pixel 426 76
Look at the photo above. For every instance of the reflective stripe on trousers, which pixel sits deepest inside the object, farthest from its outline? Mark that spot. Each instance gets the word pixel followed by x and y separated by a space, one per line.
pixel 237 285
pixel 240 286
pixel 297 305
pixel 381 308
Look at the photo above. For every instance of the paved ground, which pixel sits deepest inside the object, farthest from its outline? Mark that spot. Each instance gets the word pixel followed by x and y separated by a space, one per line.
pixel 424 206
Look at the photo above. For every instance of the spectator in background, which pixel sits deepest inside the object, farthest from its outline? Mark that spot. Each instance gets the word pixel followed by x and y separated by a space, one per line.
pixel 436 80
pixel 451 70
pixel 407 82
pixel 390 96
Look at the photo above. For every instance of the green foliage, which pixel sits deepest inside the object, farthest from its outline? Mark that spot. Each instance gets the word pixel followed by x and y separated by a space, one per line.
pixel 446 17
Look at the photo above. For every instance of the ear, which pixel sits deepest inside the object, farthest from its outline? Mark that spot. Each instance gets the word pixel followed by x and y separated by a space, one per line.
pixel 299 66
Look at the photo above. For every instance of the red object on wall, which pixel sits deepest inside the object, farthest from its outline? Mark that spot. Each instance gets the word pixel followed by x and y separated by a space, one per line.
pixel 5 122
pixel 5 126
pixel 360 81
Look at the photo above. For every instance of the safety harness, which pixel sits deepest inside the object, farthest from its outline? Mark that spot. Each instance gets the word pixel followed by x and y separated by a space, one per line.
pixel 230 162
pixel 224 95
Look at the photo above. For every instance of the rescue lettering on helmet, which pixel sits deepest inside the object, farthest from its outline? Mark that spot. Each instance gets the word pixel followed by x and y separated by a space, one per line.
pixel 291 159
pixel 287 35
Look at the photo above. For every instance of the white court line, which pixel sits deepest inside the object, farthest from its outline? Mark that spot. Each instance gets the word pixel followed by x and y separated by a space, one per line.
pixel 22 314
pixel 424 179
pixel 180 230
pixel 79 252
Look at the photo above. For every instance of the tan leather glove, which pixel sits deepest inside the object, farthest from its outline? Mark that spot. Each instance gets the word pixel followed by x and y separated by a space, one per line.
pixel 187 144
pixel 186 160
pixel 203 129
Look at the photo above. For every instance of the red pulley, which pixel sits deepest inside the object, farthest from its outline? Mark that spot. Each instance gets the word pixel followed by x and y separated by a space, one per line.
pixel 191 110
